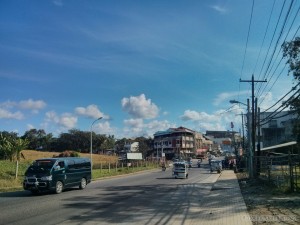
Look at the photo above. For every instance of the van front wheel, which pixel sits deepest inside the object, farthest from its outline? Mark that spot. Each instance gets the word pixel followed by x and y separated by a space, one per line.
pixel 59 187
pixel 82 183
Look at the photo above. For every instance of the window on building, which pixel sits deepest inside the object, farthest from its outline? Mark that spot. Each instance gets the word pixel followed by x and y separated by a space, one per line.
pixel 273 124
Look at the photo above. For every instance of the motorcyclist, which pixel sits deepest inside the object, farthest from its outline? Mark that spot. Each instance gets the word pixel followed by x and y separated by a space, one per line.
pixel 199 163
pixel 163 166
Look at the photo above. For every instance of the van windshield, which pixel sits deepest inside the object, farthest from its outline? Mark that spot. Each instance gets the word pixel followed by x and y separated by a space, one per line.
pixel 179 166
pixel 41 166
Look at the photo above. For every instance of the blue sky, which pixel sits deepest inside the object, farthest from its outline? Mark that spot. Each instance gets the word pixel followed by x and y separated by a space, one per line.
pixel 143 66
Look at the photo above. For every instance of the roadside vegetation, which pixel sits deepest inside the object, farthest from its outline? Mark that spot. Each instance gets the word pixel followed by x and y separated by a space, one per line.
pixel 12 172
pixel 14 160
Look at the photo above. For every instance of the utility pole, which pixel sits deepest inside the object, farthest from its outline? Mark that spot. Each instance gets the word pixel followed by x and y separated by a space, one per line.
pixel 253 109
pixel 249 153
pixel 258 141
pixel 243 133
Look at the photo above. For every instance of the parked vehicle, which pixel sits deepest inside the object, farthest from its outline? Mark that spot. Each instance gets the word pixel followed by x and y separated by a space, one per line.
pixel 56 174
pixel 216 165
pixel 180 170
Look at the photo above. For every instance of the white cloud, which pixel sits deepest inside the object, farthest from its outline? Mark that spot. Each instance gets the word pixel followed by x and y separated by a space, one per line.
pixel 140 107
pixel 137 127
pixel 52 117
pixel 30 104
pixel 197 116
pixel 211 126
pixel 30 126
pixel 5 114
pixel 90 111
pixel 58 2
pixel 134 122
pixel 65 121
pixel 157 125
pixel 219 120
pixel 165 113
pixel 219 9
pixel 227 96
pixel 104 128
pixel 7 104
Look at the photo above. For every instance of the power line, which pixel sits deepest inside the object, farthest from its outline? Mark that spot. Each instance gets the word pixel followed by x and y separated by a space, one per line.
pixel 283 106
pixel 293 88
pixel 267 28
pixel 282 57
pixel 276 45
pixel 271 40
pixel 249 28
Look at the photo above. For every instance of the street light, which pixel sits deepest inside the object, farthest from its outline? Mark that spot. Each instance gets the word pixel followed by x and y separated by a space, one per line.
pixel 237 102
pixel 251 152
pixel 91 150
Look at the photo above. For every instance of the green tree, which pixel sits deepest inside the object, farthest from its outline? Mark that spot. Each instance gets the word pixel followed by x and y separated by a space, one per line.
pixel 119 144
pixel 18 145
pixel 37 139
pixel 291 51
pixel 11 145
pixel 108 142
pixel 145 145
pixel 73 140
pixel 6 144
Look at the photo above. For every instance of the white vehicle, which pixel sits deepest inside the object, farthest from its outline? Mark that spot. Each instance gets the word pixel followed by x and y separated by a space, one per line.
pixel 180 170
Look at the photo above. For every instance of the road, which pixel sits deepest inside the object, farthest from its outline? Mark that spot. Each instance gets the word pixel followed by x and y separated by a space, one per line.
pixel 151 197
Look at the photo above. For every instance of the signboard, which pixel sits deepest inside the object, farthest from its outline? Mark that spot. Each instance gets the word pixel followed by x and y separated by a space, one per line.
pixel 134 156
pixel 226 142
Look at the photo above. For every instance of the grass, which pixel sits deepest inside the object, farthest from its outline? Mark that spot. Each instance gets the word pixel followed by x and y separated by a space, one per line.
pixel 100 172
pixel 103 166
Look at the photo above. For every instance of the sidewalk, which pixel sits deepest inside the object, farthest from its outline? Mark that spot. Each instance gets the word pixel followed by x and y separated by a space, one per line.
pixel 224 204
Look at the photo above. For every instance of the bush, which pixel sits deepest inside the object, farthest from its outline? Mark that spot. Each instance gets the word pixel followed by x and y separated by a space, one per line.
pixel 68 154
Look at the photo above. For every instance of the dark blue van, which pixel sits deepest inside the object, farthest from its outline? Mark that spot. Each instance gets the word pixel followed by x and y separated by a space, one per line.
pixel 56 174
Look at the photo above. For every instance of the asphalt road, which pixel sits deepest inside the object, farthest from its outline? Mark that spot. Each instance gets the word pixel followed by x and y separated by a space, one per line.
pixel 152 197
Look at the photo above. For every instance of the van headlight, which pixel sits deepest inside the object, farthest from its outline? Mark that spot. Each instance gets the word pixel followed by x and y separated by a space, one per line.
pixel 47 178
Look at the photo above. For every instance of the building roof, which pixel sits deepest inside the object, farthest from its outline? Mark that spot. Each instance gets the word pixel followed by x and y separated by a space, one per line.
pixel 174 130
pixel 279 146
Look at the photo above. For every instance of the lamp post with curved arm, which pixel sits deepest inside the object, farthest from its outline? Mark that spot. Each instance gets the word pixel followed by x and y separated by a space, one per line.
pixel 91 150
pixel 237 102
pixel 250 163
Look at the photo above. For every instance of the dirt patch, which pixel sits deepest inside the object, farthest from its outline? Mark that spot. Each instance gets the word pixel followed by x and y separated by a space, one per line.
pixel 268 205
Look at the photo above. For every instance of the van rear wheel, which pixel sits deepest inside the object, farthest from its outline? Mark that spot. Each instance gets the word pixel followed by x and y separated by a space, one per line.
pixel 59 187
pixel 82 183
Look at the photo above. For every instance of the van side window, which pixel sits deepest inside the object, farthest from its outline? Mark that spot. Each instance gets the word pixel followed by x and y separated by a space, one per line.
pixel 71 164
pixel 61 164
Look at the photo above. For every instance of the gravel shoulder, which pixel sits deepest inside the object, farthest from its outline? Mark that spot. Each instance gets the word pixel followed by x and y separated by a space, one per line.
pixel 268 205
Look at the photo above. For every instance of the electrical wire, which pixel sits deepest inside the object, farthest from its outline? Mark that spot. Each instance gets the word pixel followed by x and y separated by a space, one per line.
pixel 279 64
pixel 293 88
pixel 267 28
pixel 247 40
pixel 271 40
pixel 276 44
pixel 283 106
